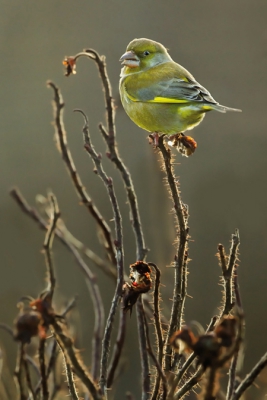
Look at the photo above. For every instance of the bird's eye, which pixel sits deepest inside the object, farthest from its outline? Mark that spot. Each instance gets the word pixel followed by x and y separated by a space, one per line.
pixel 146 53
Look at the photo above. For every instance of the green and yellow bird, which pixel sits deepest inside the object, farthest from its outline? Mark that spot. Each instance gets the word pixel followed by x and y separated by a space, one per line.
pixel 160 95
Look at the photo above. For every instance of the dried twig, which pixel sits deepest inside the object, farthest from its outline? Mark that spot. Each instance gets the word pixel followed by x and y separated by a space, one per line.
pixel 143 350
pixel 228 265
pixel 48 242
pixel 119 251
pixel 232 369
pixel 109 135
pixel 67 157
pixel 79 369
pixel 180 263
pixel 19 372
pixel 44 383
pixel 250 378
pixel 158 329
pixel 90 277
pixel 157 364
pixel 118 346
pixel 69 375
pixel 28 376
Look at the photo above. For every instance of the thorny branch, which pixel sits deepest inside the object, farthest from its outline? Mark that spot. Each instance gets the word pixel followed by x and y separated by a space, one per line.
pixel 79 369
pixel 67 157
pixel 109 136
pixel 158 329
pixel 155 360
pixel 119 252
pixel 69 375
pixel 180 262
pixel 90 278
pixel 232 369
pixel 48 243
pixel 143 346
pixel 228 267
pixel 250 378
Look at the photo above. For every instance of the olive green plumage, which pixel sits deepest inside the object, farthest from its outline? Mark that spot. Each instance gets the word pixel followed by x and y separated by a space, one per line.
pixel 160 95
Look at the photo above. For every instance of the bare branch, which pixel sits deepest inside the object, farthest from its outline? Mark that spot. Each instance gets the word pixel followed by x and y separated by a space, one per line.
pixel 69 375
pixel 232 370
pixel 250 378
pixel 109 135
pixel 158 329
pixel 142 347
pixel 19 372
pixel 118 245
pixel 157 364
pixel 67 157
pixel 79 369
pixel 48 244
pixel 90 277
pixel 228 270
pixel 44 382
pixel 180 263
pixel 118 346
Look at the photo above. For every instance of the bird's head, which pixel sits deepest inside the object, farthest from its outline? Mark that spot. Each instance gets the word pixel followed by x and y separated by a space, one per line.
pixel 142 54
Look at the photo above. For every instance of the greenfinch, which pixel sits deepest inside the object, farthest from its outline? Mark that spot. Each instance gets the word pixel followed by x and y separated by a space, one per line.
pixel 160 95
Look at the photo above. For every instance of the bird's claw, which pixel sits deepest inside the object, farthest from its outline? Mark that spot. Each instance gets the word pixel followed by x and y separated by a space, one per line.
pixel 154 139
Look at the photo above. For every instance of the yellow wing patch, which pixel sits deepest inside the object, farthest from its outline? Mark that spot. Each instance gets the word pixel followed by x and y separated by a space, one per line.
pixel 167 100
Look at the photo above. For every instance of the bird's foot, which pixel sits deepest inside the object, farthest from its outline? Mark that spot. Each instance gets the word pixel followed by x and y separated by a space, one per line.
pixel 154 139
pixel 186 145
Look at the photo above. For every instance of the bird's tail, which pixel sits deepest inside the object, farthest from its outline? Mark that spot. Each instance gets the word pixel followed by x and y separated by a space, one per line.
pixel 223 109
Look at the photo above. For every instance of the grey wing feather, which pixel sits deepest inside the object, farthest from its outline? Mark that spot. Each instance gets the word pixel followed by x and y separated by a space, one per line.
pixel 177 89
pixel 193 91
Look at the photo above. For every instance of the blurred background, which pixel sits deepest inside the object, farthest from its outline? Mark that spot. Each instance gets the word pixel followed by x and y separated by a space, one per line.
pixel 223 44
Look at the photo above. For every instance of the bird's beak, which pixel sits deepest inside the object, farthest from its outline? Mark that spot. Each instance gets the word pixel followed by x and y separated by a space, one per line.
pixel 130 59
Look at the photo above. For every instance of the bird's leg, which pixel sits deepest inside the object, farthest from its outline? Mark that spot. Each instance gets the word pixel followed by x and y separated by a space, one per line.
pixel 186 145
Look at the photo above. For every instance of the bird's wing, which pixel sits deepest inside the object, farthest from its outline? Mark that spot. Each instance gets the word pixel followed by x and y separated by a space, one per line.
pixel 166 85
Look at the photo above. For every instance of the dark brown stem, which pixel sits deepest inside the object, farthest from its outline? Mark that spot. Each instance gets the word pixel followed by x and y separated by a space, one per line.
pixel 89 276
pixel 250 378
pixel 44 382
pixel 28 377
pixel 69 376
pixel 19 372
pixel 48 242
pixel 119 248
pixel 209 393
pixel 67 157
pixel 158 329
pixel 117 348
pixel 189 384
pixel 232 370
pixel 79 369
pixel 228 270
pixel 180 263
pixel 143 350
pixel 109 135
pixel 157 364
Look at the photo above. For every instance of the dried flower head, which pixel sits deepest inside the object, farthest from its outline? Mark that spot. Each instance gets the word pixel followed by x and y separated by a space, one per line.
pixel 183 340
pixel 210 347
pixel 140 276
pixel 27 325
pixel 70 65
pixel 186 145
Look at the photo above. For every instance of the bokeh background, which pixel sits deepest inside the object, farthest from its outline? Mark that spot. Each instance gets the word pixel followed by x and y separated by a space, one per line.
pixel 223 44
